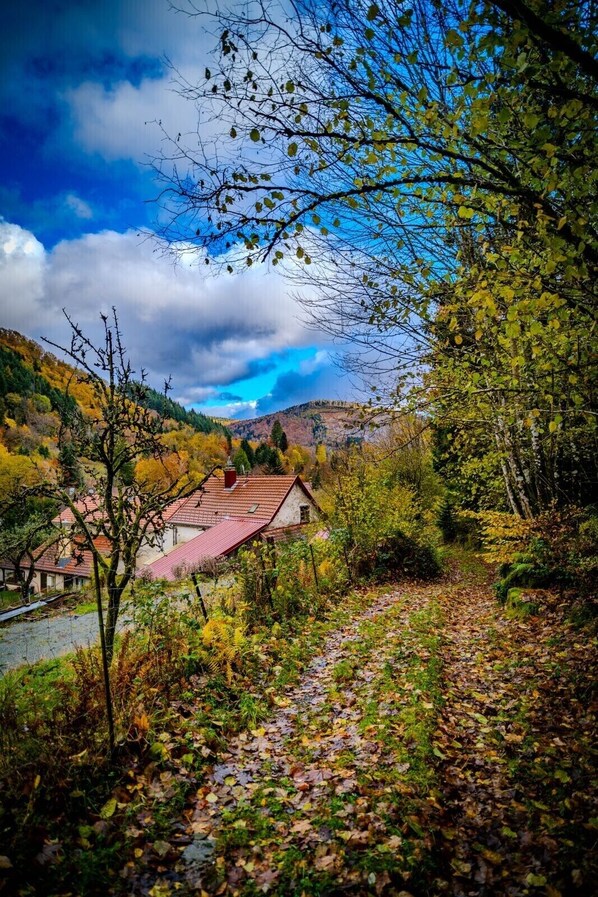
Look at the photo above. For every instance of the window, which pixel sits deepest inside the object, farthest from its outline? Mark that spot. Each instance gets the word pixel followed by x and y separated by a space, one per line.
pixel 252 509
pixel 175 535
pixel 304 513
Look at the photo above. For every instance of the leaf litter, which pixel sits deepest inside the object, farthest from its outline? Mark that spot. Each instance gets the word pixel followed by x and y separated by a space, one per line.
pixel 435 746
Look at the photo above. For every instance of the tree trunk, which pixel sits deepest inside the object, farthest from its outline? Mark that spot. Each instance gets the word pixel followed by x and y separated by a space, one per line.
pixel 114 596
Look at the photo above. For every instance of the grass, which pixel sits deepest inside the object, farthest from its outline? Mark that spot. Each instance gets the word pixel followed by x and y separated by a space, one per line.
pixel 9 598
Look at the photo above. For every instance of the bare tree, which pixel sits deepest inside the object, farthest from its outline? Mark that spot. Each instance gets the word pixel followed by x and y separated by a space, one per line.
pixel 123 507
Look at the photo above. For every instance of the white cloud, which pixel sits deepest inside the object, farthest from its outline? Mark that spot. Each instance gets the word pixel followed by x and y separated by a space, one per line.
pixel 120 122
pixel 205 329
pixel 233 410
pixel 137 122
pixel 22 269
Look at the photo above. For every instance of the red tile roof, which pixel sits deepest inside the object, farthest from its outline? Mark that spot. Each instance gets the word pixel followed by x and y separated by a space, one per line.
pixel 173 508
pixel 218 541
pixel 77 562
pixel 87 506
pixel 212 502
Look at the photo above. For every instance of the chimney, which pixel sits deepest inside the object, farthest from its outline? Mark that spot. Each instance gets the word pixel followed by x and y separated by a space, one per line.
pixel 230 475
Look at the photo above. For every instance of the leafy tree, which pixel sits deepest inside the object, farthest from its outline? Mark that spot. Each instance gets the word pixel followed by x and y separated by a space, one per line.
pixel 203 450
pixel 71 470
pixel 269 459
pixel 435 177
pixel 17 473
pixel 124 447
pixel 298 458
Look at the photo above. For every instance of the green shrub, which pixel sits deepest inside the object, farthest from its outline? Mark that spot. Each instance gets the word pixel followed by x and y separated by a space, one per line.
pixel 397 555
pixel 557 548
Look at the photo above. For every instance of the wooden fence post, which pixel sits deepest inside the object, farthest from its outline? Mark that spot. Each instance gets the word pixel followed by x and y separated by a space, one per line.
pixel 313 563
pixel 201 604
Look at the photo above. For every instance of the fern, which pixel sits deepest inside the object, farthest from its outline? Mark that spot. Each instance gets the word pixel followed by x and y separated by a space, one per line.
pixel 226 642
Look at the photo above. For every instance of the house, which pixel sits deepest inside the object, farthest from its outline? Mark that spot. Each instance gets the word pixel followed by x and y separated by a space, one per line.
pixel 65 565
pixel 223 514
pixel 226 513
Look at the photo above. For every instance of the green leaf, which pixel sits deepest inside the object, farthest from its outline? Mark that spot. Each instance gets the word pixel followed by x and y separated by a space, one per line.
pixel 292 149
pixel 372 12
pixel 465 212
pixel 254 135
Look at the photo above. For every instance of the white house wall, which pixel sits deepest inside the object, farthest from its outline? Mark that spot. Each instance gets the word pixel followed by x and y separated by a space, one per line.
pixel 289 513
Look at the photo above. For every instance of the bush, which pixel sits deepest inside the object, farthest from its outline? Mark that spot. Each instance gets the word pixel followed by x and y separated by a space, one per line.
pixel 288 579
pixel 557 548
pixel 397 555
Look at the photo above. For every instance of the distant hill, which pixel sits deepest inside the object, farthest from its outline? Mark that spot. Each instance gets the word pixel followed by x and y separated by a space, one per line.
pixel 36 388
pixel 331 423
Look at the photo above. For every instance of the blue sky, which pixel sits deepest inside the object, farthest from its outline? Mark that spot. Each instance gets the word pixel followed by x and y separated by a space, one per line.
pixel 83 86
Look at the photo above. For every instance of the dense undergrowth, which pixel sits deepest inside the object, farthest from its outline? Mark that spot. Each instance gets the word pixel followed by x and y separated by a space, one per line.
pixel 180 687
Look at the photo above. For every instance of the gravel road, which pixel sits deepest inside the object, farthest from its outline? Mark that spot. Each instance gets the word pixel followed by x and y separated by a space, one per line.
pixel 26 642
pixel 42 639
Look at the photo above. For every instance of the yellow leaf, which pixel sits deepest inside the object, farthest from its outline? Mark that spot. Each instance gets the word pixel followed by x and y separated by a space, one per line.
pixel 108 809
pixel 458 339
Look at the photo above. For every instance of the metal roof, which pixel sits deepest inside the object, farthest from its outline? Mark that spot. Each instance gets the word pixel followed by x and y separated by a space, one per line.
pixel 218 541
pixel 212 502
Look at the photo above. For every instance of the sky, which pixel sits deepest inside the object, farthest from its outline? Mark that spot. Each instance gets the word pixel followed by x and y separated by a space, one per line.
pixel 85 88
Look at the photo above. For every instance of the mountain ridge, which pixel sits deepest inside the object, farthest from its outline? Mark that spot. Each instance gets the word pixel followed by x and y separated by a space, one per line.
pixel 320 421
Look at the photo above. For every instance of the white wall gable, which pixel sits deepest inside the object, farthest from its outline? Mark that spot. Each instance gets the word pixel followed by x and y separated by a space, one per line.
pixel 289 513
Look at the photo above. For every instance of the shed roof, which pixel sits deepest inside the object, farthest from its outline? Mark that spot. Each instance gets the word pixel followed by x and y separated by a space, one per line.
pixel 218 541
pixel 258 498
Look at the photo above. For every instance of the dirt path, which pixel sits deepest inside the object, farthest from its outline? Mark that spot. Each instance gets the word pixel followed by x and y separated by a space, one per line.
pixel 420 754
pixel 518 734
